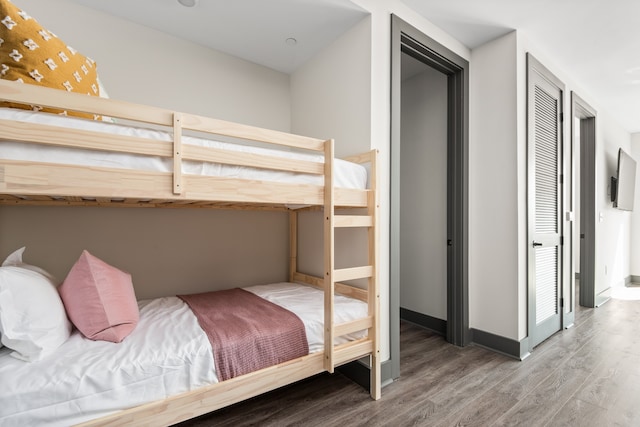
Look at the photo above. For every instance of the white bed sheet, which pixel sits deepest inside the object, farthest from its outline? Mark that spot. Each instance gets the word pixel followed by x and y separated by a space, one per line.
pixel 308 304
pixel 346 174
pixel 166 354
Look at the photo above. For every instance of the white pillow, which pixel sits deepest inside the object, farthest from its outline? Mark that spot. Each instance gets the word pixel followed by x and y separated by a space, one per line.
pixel 104 94
pixel 101 90
pixel 33 322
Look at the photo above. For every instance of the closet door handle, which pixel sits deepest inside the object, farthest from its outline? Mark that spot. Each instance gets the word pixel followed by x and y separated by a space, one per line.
pixel 536 244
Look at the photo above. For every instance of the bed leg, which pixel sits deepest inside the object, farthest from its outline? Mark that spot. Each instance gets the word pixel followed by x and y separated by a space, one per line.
pixel 293 244
pixel 375 384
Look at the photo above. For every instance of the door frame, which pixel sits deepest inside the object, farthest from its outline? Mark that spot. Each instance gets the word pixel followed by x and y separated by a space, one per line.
pixel 587 210
pixel 406 38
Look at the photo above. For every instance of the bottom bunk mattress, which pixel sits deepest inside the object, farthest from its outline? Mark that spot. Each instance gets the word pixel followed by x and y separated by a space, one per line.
pixel 168 353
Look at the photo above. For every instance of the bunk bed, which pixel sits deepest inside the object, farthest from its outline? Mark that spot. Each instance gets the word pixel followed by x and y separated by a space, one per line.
pixel 306 182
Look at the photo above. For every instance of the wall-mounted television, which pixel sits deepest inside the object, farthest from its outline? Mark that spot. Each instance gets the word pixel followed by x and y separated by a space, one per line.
pixel 623 185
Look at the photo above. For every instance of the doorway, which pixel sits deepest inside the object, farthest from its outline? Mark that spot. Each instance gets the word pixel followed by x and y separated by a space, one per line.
pixel 423 195
pixel 444 75
pixel 583 164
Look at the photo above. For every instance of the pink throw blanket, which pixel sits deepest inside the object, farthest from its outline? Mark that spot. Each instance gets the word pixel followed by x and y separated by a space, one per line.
pixel 247 332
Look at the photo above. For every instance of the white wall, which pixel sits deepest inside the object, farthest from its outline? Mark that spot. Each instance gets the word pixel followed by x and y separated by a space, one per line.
pixel 142 65
pixel 494 189
pixel 498 204
pixel 423 193
pixel 330 93
pixel 635 215
pixel 167 251
pixel 613 226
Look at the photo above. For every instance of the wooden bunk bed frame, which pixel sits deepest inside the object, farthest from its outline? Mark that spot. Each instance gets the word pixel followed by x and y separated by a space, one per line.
pixel 30 183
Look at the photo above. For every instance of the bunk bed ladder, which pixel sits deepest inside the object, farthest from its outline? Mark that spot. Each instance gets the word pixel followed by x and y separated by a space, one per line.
pixel 334 276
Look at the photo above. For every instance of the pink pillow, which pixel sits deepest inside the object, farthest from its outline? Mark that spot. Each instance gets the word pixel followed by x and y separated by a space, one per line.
pixel 99 299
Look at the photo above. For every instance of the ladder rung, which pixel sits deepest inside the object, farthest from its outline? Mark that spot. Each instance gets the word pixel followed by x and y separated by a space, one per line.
pixel 352 273
pixel 353 221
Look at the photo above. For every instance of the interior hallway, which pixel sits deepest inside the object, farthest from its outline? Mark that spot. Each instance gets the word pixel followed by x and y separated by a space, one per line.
pixel 588 375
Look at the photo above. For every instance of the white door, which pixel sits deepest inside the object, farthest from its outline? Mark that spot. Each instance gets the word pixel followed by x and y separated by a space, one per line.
pixel 544 202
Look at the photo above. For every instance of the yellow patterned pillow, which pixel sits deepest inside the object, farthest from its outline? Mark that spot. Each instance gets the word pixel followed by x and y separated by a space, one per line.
pixel 32 54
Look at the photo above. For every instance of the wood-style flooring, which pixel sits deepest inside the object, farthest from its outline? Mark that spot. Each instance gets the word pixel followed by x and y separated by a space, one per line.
pixel 587 375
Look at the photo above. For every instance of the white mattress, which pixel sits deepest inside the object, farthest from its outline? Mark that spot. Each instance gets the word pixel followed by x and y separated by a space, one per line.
pixel 346 174
pixel 166 354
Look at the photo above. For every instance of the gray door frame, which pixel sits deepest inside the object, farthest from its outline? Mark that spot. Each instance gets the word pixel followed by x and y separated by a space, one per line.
pixel 587 210
pixel 405 38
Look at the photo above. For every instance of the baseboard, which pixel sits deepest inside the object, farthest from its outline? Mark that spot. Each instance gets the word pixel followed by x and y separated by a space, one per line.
pixel 438 326
pixel 516 349
pixel 512 348
pixel 603 297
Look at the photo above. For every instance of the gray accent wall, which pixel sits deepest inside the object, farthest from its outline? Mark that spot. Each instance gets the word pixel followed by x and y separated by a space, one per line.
pixel 166 251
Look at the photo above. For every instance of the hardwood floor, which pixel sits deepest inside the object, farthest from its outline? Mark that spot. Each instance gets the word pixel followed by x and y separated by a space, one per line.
pixel 588 375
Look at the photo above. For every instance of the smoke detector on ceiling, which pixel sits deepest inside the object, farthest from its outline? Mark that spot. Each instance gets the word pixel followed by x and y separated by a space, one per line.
pixel 188 3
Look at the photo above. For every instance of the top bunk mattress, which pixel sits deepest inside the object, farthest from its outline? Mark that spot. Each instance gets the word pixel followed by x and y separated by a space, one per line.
pixel 346 174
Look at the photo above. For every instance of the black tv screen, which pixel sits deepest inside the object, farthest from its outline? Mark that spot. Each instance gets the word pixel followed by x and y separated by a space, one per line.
pixel 623 192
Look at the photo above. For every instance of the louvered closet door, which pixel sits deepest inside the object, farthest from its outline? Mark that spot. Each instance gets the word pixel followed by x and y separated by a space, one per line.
pixel 544 199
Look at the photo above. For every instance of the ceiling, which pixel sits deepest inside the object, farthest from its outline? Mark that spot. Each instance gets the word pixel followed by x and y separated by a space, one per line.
pixel 255 30
pixel 596 42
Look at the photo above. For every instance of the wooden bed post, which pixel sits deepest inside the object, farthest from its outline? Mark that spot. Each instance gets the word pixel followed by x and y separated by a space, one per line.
pixel 329 253
pixel 293 244
pixel 374 291
pixel 177 153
